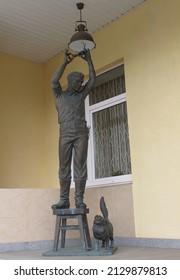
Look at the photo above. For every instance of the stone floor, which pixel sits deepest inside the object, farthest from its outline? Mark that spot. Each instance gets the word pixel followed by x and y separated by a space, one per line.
pixel 122 253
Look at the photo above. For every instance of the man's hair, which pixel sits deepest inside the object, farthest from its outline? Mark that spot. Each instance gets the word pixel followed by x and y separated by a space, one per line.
pixel 74 74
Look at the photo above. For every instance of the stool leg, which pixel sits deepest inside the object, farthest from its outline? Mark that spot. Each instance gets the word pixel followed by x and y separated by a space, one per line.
pixel 86 232
pixel 81 230
pixel 63 233
pixel 57 231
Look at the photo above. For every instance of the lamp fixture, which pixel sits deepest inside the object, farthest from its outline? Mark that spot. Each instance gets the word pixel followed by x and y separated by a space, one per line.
pixel 81 40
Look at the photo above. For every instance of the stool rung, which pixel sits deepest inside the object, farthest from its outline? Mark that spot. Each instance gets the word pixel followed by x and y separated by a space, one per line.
pixel 69 227
pixel 68 217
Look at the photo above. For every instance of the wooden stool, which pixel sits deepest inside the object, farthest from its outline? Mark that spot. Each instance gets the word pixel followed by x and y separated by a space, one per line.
pixel 61 226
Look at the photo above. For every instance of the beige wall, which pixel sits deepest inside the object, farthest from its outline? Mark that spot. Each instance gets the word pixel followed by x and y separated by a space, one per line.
pixel 148 41
pixel 26 215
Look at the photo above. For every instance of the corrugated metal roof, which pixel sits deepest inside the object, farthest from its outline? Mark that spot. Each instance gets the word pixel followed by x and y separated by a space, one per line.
pixel 39 29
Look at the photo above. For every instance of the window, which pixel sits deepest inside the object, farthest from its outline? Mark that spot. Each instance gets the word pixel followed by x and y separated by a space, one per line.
pixel 106 113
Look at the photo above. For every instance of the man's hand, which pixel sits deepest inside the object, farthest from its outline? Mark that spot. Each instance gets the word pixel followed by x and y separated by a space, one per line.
pixel 85 54
pixel 68 57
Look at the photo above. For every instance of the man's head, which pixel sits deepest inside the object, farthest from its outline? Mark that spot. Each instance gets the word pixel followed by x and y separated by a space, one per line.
pixel 75 80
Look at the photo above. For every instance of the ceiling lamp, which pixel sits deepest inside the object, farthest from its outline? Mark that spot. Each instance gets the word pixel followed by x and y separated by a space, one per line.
pixel 81 40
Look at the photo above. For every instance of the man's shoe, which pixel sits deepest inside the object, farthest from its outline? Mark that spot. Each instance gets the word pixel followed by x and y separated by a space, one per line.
pixel 81 205
pixel 61 205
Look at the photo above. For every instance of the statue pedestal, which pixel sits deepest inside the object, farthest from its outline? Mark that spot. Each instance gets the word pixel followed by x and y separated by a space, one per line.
pixel 77 251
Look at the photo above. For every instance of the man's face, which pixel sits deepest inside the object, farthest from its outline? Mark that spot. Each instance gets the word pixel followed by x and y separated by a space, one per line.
pixel 76 83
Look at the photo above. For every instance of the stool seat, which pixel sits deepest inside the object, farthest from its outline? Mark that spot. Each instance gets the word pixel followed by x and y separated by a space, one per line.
pixel 70 211
pixel 62 215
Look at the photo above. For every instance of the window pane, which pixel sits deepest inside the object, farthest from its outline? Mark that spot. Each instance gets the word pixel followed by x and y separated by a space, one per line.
pixel 111 142
pixel 109 84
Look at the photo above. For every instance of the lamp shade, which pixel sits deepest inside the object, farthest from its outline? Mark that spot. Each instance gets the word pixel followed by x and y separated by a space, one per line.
pixel 81 40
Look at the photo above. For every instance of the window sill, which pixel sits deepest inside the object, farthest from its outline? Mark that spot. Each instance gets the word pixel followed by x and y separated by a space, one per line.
pixel 107 182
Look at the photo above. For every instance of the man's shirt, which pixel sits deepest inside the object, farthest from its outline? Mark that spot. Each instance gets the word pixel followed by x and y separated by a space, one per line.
pixel 70 105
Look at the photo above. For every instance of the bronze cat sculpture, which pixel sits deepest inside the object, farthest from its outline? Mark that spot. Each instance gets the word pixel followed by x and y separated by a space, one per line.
pixel 102 228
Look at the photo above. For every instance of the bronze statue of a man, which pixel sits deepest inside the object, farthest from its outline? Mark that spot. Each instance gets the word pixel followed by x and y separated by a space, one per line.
pixel 73 140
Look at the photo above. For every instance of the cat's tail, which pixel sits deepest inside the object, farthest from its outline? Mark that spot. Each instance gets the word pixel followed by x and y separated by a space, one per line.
pixel 104 209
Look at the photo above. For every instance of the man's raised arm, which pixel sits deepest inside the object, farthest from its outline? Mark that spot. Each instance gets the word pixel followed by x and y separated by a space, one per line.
pixel 59 72
pixel 92 73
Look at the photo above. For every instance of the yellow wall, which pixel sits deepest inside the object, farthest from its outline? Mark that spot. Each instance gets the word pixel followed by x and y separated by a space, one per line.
pixel 21 122
pixel 152 66
pixel 148 40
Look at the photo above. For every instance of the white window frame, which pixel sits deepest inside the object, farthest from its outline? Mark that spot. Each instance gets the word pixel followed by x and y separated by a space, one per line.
pixel 113 180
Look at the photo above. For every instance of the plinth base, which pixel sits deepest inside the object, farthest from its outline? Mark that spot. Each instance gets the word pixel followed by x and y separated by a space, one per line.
pixel 77 251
